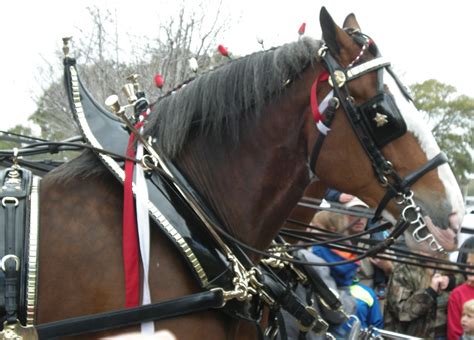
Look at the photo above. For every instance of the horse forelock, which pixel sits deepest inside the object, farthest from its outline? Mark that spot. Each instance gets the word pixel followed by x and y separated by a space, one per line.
pixel 216 102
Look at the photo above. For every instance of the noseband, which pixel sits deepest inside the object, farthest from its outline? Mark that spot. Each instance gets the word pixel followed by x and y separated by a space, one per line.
pixel 376 123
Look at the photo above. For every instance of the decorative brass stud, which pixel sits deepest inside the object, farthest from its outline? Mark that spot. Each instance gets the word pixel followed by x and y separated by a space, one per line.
pixel 340 78
pixel 17 331
pixel 380 119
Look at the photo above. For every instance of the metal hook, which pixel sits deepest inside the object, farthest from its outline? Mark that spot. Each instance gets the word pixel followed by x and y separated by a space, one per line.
pixel 10 257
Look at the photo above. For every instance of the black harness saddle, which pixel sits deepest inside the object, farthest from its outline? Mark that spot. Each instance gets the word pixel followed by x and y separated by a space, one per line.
pixel 18 245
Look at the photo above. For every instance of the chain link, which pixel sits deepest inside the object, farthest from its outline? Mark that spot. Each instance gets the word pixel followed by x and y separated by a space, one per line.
pixel 412 214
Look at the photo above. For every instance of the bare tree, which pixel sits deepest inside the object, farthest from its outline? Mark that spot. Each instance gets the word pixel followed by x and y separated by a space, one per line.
pixel 101 55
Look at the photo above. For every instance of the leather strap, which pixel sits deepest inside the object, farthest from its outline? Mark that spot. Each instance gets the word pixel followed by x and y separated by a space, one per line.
pixel 15 186
pixel 289 301
pixel 10 261
pixel 132 316
pixel 318 285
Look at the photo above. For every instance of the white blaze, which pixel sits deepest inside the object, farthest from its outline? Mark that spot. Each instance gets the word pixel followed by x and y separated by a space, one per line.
pixel 420 129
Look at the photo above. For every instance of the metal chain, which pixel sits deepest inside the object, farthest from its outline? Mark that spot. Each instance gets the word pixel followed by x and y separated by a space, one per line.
pixel 412 214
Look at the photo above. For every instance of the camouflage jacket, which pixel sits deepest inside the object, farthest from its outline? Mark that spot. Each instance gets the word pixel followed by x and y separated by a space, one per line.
pixel 410 308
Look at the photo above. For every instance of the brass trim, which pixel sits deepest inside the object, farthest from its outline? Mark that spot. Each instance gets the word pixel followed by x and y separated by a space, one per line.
pixel 368 66
pixel 32 268
pixel 18 332
pixel 170 229
pixel 339 77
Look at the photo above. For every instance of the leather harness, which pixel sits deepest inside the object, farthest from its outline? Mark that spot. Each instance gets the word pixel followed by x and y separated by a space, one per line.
pixel 18 245
pixel 215 269
pixel 229 279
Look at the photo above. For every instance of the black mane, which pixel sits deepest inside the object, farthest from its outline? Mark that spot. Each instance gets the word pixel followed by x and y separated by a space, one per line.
pixel 214 102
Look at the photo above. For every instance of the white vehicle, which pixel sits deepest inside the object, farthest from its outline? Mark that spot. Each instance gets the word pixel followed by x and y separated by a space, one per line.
pixel 469 204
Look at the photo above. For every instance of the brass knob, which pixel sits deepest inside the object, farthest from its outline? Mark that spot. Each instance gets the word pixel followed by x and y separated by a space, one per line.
pixel 113 103
pixel 133 78
pixel 129 91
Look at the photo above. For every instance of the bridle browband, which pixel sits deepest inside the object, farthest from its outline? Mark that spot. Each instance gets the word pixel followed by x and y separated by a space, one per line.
pixel 376 122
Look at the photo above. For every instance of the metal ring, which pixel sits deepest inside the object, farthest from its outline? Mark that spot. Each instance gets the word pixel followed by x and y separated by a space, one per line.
pixel 9 199
pixel 147 162
pixel 222 291
pixel 409 195
pixel 322 51
pixel 399 199
pixel 437 246
pixel 8 257
pixel 384 181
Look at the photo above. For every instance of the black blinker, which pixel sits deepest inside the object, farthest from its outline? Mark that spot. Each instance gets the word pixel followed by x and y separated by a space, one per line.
pixel 383 119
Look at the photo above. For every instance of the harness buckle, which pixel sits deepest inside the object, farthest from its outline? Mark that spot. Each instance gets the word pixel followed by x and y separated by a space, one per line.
pixel 148 162
pixel 322 51
pixel 318 326
pixel 9 200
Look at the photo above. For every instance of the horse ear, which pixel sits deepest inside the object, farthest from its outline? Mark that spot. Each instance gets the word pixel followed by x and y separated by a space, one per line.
pixel 334 36
pixel 351 22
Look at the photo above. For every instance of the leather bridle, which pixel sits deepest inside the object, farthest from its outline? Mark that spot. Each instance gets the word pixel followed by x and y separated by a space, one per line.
pixel 376 122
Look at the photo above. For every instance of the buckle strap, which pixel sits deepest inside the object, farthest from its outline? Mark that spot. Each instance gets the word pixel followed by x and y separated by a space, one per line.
pixel 10 264
pixel 15 185
pixel 306 316
pixel 11 294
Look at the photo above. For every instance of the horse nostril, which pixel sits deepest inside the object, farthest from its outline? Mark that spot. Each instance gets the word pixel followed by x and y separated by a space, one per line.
pixel 454 221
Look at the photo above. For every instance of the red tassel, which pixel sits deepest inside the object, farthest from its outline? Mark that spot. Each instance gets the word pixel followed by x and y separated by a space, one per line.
pixel 223 51
pixel 159 81
pixel 131 259
pixel 302 29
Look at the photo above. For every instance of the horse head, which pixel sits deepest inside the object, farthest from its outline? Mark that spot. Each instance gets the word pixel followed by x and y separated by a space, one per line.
pixel 382 144
pixel 243 134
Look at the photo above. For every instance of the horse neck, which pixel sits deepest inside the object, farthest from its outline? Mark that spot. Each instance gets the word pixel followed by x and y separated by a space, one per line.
pixel 252 187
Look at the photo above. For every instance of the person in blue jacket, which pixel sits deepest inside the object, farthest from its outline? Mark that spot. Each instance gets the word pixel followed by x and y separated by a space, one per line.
pixel 367 305
pixel 368 309
pixel 377 277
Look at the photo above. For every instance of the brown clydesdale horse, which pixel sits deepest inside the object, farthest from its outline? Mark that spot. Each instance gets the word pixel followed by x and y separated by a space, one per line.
pixel 242 135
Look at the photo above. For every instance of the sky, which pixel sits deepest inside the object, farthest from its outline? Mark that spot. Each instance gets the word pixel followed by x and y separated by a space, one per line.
pixel 424 39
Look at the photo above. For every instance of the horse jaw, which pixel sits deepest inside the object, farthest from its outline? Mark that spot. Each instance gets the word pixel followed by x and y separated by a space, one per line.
pixel 445 224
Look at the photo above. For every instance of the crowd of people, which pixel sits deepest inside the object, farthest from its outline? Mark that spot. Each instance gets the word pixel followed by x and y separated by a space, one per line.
pixel 390 295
